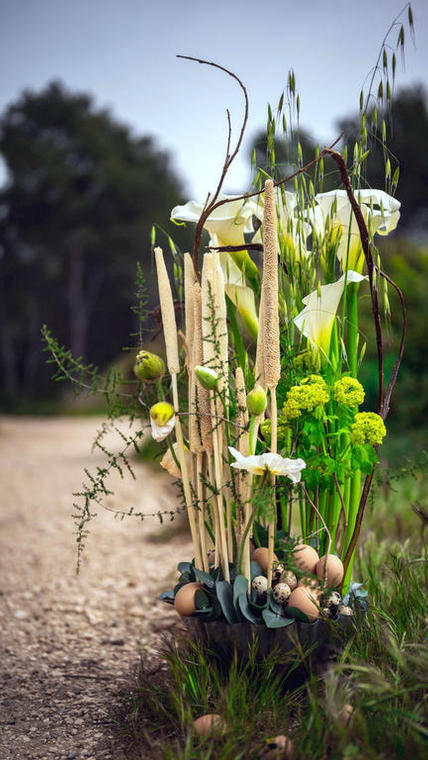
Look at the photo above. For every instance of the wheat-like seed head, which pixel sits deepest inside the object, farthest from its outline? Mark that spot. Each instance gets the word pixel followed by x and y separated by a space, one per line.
pixel 168 314
pixel 271 350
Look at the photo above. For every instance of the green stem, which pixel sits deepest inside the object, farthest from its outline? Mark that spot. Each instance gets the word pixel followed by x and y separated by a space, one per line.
pixel 354 502
pixel 352 327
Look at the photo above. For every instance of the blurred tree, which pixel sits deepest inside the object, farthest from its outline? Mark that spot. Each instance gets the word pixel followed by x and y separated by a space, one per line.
pixel 75 217
pixel 407 139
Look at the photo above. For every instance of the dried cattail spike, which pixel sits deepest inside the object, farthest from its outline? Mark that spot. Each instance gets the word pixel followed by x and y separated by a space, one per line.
pixel 221 326
pixel 241 412
pixel 168 314
pixel 271 351
pixel 208 296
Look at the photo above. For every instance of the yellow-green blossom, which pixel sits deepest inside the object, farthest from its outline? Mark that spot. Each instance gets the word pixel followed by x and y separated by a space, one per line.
pixel 283 430
pixel 311 394
pixel 368 427
pixel 348 391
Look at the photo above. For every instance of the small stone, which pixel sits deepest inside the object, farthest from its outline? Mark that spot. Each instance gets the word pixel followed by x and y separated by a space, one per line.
pixel 20 614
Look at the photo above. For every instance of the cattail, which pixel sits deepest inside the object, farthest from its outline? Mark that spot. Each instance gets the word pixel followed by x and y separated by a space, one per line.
pixel 168 314
pixel 242 412
pixel 271 351
pixel 221 325
pixel 208 295
pixel 189 280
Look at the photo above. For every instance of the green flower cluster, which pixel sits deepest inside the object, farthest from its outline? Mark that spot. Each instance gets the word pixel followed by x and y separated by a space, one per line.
pixel 282 430
pixel 368 427
pixel 312 393
pixel 348 391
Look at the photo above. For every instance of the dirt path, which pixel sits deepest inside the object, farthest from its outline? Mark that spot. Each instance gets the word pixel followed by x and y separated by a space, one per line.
pixel 67 643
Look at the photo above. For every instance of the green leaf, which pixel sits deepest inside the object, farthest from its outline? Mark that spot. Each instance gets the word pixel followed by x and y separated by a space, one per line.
pixel 167 596
pixel 225 597
pixel 255 569
pixel 185 567
pixel 246 609
pixel 205 578
pixel 240 586
pixel 202 601
pixel 295 614
pixel 275 621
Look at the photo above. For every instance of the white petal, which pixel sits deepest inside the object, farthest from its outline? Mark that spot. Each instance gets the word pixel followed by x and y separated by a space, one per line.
pixel 160 432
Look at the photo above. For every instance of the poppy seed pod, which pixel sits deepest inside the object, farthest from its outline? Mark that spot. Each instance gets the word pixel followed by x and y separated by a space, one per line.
pixel 148 367
pixel 207 377
pixel 257 401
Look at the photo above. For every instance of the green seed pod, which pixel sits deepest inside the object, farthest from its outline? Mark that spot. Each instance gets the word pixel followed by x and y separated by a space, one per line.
pixel 148 367
pixel 256 401
pixel 207 377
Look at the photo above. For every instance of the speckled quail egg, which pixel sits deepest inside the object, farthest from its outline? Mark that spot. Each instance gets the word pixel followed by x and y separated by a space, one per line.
pixel 281 593
pixel 289 578
pixel 260 585
pixel 277 571
pixel 334 599
pixel 344 610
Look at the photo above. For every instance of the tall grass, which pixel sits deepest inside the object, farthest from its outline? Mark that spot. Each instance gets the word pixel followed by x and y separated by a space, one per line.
pixel 382 673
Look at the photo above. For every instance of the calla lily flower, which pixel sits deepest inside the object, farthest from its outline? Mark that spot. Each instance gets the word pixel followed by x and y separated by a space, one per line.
pixel 273 463
pixel 293 231
pixel 316 320
pixel 381 214
pixel 228 223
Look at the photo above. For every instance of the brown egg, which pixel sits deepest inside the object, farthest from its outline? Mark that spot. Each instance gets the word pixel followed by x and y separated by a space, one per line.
pixel 261 557
pixel 334 570
pixel 184 601
pixel 306 601
pixel 346 714
pixel 207 724
pixel 311 583
pixel 305 557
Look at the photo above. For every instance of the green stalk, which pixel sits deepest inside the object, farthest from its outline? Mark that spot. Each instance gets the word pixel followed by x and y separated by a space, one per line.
pixel 237 337
pixel 354 502
pixel 352 327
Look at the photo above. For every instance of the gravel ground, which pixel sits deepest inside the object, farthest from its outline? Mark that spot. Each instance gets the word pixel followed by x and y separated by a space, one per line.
pixel 68 644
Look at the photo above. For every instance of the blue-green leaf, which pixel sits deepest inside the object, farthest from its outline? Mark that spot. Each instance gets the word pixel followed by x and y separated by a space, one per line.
pixel 240 586
pixel 225 598
pixel 275 621
pixel 205 578
pixel 246 609
pixel 202 601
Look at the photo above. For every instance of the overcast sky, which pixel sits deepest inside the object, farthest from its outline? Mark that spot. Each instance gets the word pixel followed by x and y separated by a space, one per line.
pixel 123 52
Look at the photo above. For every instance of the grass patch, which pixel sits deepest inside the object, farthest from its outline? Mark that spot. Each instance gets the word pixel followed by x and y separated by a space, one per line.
pixel 382 673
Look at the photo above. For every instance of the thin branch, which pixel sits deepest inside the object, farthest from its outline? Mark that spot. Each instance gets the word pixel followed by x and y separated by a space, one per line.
pixel 229 157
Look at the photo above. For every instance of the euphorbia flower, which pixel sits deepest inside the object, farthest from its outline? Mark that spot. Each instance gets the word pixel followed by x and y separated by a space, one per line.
pixel 380 211
pixel 272 463
pixel 316 320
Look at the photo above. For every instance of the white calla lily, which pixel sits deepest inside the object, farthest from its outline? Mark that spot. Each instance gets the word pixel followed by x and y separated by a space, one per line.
pixel 272 463
pixel 381 214
pixel 294 231
pixel 316 320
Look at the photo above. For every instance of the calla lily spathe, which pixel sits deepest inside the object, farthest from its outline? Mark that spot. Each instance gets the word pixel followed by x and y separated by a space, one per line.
pixel 316 320
pixel 227 226
pixel 293 229
pixel 380 211
pixel 273 463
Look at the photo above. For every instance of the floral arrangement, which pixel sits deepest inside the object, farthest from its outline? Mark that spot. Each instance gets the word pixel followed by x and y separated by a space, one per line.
pixel 266 437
